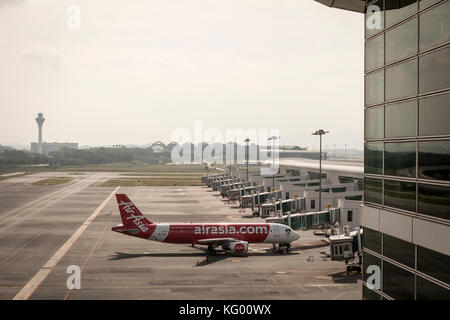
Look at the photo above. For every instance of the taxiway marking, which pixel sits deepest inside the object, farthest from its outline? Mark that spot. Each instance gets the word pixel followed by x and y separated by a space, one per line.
pixel 26 292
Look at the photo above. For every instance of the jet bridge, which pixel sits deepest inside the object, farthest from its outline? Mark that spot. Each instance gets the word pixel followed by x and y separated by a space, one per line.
pixel 310 220
pixel 283 206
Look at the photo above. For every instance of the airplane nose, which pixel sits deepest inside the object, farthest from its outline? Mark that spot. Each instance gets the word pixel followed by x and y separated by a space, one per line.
pixel 295 236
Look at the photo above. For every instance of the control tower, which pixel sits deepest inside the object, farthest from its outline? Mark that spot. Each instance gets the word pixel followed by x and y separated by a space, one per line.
pixel 40 121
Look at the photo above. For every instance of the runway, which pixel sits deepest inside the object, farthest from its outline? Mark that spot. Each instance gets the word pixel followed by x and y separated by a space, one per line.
pixel 37 222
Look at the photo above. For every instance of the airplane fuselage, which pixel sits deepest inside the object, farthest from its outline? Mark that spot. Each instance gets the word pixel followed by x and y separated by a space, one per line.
pixel 233 237
pixel 192 233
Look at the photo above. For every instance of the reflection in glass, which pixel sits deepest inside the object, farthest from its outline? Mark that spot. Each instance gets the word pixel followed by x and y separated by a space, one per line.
pixel 399 250
pixel 434 71
pixel 401 42
pixel 426 3
pixel 373 158
pixel 372 190
pixel 400 159
pixel 374 53
pixel 434 113
pixel 375 88
pixel 397 282
pixel 427 290
pixel 401 80
pixel 374 123
pixel 371 240
pixel 397 10
pixel 435 26
pixel 434 160
pixel 433 263
pixel 369 17
pixel 400 194
pixel 401 119
pixel 434 200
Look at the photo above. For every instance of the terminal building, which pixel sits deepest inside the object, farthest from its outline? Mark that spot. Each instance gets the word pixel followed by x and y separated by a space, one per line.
pixel 406 208
pixel 48 147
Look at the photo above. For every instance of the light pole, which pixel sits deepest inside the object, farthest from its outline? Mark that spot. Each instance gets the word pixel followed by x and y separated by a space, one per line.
pixel 273 138
pixel 247 155
pixel 320 133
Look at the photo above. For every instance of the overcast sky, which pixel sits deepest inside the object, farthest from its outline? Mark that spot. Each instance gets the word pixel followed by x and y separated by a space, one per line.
pixel 137 70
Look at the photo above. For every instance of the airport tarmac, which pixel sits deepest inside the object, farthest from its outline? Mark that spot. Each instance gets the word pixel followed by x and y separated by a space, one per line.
pixel 46 229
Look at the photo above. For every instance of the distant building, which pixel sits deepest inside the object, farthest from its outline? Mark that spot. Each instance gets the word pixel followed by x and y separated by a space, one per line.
pixel 158 146
pixel 48 147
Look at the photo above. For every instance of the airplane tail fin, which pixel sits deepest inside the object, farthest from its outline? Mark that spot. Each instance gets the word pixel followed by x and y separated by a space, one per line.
pixel 129 213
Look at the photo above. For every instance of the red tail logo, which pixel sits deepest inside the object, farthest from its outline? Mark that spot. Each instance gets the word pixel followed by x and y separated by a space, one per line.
pixel 130 214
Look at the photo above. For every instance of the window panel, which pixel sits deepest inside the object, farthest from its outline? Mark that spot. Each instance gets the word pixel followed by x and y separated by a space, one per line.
pixel 400 159
pixel 435 26
pixel 369 18
pixel 434 160
pixel 401 80
pixel 374 53
pixel 397 10
pixel 399 250
pixel 426 3
pixel 371 240
pixel 434 200
pixel 375 88
pixel 400 194
pixel 434 264
pixel 372 190
pixel 434 71
pixel 401 119
pixel 373 158
pixel 398 283
pixel 401 42
pixel 369 294
pixel 369 260
pixel 434 113
pixel 374 123
pixel 427 290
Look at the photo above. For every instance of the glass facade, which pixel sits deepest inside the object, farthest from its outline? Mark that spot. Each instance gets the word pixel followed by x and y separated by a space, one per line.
pixel 373 155
pixel 400 194
pixel 434 160
pixel 401 119
pixel 399 250
pixel 400 159
pixel 407 142
pixel 373 190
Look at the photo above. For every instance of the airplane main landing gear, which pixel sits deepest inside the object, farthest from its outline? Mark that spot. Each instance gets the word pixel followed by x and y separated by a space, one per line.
pixel 211 250
pixel 282 248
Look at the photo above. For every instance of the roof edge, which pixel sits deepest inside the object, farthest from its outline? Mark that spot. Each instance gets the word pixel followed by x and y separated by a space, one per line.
pixel 349 5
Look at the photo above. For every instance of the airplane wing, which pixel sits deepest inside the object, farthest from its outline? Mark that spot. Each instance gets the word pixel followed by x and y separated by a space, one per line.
pixel 216 240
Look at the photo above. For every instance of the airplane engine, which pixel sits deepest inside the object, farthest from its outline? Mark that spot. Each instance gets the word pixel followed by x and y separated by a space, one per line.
pixel 239 246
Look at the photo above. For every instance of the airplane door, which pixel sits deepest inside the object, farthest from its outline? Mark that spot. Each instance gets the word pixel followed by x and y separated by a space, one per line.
pixel 276 232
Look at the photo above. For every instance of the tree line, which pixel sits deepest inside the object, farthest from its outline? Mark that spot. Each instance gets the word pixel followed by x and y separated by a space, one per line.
pixel 92 156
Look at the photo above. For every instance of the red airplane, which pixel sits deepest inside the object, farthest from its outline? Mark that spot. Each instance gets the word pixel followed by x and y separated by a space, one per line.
pixel 232 237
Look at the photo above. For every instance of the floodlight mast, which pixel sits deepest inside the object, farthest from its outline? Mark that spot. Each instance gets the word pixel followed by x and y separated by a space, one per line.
pixel 247 155
pixel 320 133
pixel 273 138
